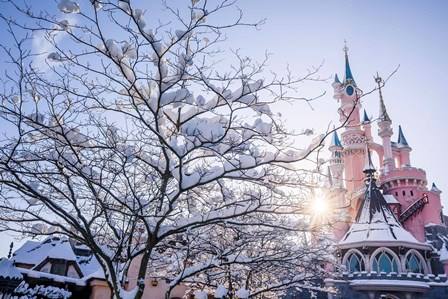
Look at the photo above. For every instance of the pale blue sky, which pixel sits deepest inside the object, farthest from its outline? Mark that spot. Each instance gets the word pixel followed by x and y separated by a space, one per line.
pixel 381 34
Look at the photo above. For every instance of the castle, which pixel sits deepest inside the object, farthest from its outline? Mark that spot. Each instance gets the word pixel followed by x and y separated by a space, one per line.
pixel 390 233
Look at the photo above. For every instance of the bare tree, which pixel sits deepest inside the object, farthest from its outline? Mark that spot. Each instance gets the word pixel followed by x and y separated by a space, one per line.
pixel 136 139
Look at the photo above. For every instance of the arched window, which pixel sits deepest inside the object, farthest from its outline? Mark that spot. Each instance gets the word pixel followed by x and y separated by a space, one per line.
pixel 414 263
pixel 384 262
pixel 355 263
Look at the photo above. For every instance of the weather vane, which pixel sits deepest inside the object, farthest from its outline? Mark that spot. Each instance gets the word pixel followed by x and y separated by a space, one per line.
pixel 378 79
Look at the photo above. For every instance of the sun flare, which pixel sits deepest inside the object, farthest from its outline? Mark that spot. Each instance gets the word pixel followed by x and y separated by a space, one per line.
pixel 319 206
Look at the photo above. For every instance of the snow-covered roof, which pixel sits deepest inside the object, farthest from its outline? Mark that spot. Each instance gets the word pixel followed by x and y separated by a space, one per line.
pixel 376 225
pixel 443 252
pixel 90 266
pixel 63 251
pixel 8 271
pixel 53 277
pixel 390 199
pixel 390 284
pixel 33 253
pixel 26 255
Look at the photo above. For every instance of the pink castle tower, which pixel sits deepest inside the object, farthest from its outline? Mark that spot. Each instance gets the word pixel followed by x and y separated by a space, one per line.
pixel 391 239
pixel 353 139
pixel 404 186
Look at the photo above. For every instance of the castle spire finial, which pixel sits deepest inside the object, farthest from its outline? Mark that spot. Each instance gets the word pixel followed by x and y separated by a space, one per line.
pixel 369 169
pixel 383 112
pixel 348 72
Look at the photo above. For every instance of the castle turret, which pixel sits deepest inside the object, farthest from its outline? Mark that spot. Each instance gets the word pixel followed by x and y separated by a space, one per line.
pixel 419 206
pixel 353 139
pixel 337 195
pixel 366 126
pixel 404 149
pixel 336 163
pixel 385 131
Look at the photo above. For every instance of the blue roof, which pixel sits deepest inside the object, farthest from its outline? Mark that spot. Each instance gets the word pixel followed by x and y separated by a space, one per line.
pixel 434 188
pixel 336 79
pixel 365 118
pixel 348 71
pixel 401 139
pixel 335 140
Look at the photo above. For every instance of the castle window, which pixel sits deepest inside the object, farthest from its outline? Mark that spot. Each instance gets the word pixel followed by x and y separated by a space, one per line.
pixel 384 262
pixel 396 194
pixel 414 263
pixel 412 193
pixel 355 263
pixel 403 192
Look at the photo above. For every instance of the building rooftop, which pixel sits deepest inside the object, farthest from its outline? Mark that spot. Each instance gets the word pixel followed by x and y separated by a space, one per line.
pixel 375 224
pixel 33 253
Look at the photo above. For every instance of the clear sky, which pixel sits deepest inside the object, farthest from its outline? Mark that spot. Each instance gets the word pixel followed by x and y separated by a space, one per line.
pixel 381 35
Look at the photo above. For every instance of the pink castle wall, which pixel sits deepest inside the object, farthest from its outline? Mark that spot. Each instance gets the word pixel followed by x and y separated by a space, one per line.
pixel 101 290
pixel 407 185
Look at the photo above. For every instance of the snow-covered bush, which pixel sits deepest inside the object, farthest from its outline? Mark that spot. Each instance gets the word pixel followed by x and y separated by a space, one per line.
pixel 24 291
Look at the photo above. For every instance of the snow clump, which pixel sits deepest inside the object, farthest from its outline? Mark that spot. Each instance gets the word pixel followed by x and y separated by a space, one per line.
pixel 67 6
pixel 220 292
pixel 242 293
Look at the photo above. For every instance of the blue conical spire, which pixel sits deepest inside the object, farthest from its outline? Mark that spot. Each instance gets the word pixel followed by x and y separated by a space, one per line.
pixel 335 140
pixel 336 79
pixel 401 139
pixel 365 118
pixel 348 72
pixel 435 189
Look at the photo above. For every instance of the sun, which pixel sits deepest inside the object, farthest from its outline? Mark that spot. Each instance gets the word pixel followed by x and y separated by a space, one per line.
pixel 319 205
pixel 319 210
